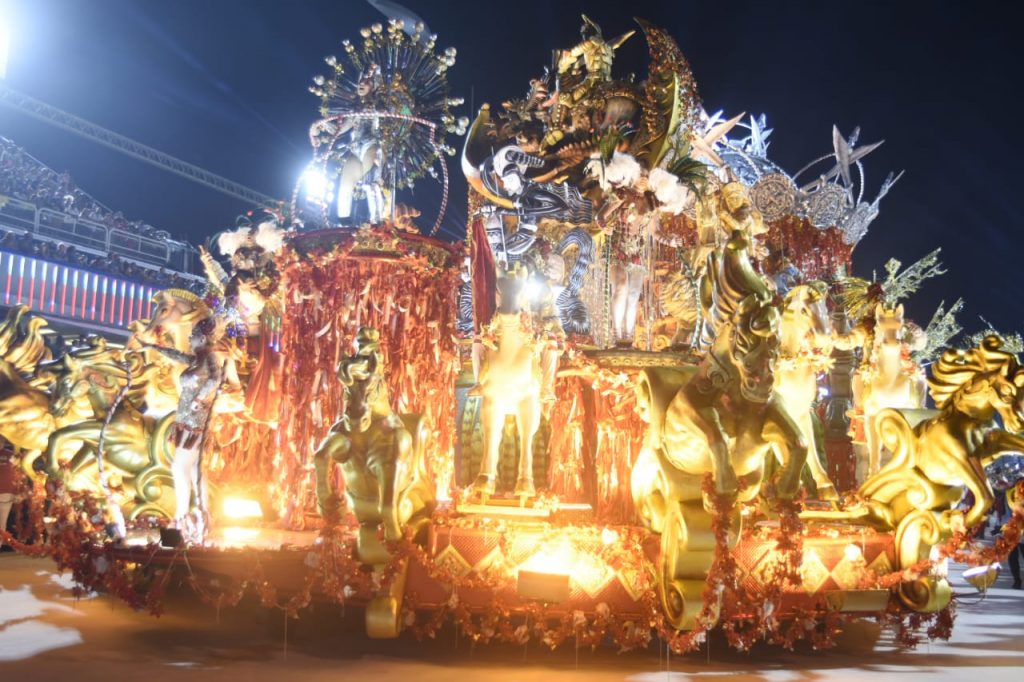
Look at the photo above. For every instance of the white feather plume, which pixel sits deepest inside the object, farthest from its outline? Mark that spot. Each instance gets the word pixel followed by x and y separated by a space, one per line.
pixel 672 194
pixel 622 171
pixel 229 242
pixel 269 237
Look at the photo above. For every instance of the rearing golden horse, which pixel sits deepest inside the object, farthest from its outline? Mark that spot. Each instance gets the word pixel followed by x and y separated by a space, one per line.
pixel 135 446
pixel 177 311
pixel 25 418
pixel 726 417
pixel 887 380
pixel 934 458
pixel 720 417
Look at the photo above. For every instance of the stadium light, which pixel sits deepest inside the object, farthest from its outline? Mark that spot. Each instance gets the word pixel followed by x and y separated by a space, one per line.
pixel 316 184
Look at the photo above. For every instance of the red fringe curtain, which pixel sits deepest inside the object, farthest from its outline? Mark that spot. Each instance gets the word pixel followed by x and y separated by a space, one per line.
pixel 328 296
pixel 596 437
pixel 818 254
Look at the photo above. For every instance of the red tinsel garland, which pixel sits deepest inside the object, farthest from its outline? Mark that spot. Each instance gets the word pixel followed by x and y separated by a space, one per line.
pixel 76 543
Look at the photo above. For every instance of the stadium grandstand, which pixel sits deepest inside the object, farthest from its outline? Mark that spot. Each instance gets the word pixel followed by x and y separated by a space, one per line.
pixel 84 267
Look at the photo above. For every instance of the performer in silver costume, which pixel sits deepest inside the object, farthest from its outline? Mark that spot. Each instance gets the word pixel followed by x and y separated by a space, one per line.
pixel 200 383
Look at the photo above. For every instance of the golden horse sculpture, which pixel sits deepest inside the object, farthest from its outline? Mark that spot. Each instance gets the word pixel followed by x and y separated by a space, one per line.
pixel 720 417
pixel 933 460
pixel 886 380
pixel 805 350
pixel 176 313
pixel 382 454
pixel 25 418
pixel 135 445
pixel 510 384
pixel 383 460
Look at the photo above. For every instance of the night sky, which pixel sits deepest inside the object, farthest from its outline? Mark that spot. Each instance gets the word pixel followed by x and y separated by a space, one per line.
pixel 222 84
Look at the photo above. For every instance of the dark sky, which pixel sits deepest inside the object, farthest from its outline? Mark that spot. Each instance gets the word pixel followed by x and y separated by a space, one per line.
pixel 222 83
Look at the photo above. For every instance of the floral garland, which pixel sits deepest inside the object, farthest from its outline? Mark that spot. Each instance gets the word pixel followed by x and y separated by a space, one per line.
pixel 869 371
pixel 818 359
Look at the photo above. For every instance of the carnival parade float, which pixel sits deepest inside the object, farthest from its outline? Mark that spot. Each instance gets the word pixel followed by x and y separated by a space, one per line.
pixel 646 398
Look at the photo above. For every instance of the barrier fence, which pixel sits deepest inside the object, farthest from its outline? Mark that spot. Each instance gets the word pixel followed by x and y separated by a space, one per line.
pixel 96 237
pixel 73 293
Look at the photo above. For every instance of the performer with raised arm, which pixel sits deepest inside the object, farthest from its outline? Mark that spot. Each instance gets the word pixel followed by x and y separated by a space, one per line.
pixel 200 383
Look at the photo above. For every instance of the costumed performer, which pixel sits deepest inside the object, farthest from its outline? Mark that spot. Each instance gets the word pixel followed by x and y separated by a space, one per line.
pixel 200 383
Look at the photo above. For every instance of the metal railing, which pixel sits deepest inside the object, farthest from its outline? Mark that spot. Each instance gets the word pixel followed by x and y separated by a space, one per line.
pixel 25 217
pixel 18 214
pixel 72 230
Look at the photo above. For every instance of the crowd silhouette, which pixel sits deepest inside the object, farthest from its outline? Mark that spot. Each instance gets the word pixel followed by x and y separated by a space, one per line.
pixel 25 178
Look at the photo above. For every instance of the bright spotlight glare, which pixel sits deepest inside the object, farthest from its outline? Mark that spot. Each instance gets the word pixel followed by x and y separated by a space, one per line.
pixel 241 508
pixel 315 183
pixel 534 290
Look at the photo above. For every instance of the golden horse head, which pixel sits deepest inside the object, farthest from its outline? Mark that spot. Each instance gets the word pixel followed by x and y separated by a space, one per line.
pixel 805 305
pixel 177 310
pixel 980 382
pixel 96 373
pixel 889 324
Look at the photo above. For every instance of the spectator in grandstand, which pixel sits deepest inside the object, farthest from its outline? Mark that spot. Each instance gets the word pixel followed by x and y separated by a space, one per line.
pixel 23 177
pixel 11 482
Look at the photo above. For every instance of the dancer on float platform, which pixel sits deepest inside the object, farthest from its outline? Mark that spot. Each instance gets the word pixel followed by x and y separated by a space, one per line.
pixel 200 383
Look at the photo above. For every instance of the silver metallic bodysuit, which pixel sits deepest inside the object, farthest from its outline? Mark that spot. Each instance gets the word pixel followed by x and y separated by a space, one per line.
pixel 199 384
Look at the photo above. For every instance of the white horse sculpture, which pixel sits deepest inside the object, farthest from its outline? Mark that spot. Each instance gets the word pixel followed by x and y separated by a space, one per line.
pixel 510 384
pixel 888 379
pixel 805 349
